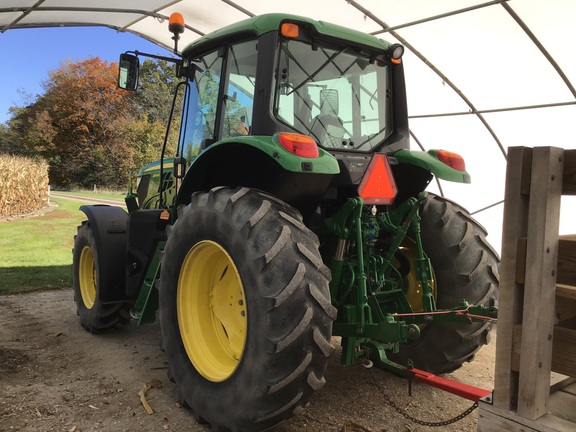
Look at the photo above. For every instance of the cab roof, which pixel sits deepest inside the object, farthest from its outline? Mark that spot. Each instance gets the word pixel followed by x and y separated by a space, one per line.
pixel 262 24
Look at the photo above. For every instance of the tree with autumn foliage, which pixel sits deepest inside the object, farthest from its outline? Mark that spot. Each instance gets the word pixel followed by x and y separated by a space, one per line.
pixel 90 131
pixel 84 107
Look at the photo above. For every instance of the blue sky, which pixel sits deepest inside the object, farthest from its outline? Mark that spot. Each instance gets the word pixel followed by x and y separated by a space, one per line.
pixel 27 55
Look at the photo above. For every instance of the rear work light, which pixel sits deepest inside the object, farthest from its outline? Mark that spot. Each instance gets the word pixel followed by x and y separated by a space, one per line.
pixel 453 160
pixel 378 185
pixel 395 53
pixel 300 145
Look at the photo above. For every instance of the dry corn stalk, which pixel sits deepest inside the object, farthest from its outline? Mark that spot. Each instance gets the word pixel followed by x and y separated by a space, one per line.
pixel 23 185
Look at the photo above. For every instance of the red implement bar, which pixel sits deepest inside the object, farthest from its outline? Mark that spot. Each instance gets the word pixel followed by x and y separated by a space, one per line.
pixel 463 390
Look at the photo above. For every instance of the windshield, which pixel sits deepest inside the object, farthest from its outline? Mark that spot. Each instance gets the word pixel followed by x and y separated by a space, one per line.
pixel 335 95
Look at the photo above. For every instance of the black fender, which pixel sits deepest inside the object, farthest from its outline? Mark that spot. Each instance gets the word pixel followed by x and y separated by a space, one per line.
pixel 238 165
pixel 109 225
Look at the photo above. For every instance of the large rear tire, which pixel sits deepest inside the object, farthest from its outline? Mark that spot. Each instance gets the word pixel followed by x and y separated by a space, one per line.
pixel 465 267
pixel 245 309
pixel 95 316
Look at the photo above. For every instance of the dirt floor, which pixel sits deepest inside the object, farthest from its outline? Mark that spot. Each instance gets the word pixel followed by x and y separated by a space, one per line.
pixel 54 376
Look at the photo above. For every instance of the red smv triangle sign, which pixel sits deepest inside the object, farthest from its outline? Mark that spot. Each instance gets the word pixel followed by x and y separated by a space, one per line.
pixel 378 185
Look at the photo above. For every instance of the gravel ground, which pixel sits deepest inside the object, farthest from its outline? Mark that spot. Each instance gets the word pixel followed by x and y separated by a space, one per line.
pixel 54 376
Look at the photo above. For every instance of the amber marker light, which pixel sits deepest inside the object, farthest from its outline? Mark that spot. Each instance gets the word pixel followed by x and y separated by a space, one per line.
pixel 453 160
pixel 378 186
pixel 300 145
pixel 289 30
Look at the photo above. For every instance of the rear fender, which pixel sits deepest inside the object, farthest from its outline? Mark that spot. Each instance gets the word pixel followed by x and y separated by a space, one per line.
pixel 429 162
pixel 109 225
pixel 414 170
pixel 260 162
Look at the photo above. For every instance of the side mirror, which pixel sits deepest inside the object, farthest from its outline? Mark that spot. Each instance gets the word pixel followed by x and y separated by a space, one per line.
pixel 128 72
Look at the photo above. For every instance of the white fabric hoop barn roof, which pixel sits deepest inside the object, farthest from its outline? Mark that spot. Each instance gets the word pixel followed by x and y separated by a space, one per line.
pixel 481 75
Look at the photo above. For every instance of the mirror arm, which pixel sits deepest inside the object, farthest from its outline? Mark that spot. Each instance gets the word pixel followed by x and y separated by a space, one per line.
pixel 182 70
pixel 158 57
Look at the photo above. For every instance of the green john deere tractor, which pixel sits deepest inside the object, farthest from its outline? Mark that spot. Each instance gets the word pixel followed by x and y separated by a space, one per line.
pixel 292 211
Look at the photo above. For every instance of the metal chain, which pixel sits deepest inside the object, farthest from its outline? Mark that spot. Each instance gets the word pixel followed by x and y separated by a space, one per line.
pixel 407 416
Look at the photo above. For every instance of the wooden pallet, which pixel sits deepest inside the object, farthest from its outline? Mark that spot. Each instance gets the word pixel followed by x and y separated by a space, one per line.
pixel 537 300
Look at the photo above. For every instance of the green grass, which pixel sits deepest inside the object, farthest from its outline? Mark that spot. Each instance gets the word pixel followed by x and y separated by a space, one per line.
pixel 106 194
pixel 36 253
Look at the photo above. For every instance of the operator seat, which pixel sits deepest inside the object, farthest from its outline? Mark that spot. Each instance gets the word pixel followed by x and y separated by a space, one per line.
pixel 327 127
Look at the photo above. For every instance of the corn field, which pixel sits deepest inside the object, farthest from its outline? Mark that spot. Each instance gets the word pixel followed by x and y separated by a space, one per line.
pixel 23 185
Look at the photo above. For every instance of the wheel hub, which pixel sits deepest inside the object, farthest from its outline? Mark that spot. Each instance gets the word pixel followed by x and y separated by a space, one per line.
pixel 212 313
pixel 87 277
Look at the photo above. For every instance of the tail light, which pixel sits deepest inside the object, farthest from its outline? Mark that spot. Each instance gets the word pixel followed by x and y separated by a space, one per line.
pixel 453 160
pixel 300 145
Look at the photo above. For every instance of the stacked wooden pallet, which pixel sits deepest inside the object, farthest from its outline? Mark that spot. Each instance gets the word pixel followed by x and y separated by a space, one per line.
pixel 537 302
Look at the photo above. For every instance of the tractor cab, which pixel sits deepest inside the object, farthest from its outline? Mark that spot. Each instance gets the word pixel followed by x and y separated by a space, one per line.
pixel 332 84
pixel 280 73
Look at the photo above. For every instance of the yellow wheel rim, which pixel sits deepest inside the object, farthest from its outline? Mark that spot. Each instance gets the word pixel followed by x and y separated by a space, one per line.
pixel 87 277
pixel 212 314
pixel 412 286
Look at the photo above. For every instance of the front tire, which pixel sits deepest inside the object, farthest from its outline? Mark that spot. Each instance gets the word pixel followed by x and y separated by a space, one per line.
pixel 95 316
pixel 245 309
pixel 465 267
